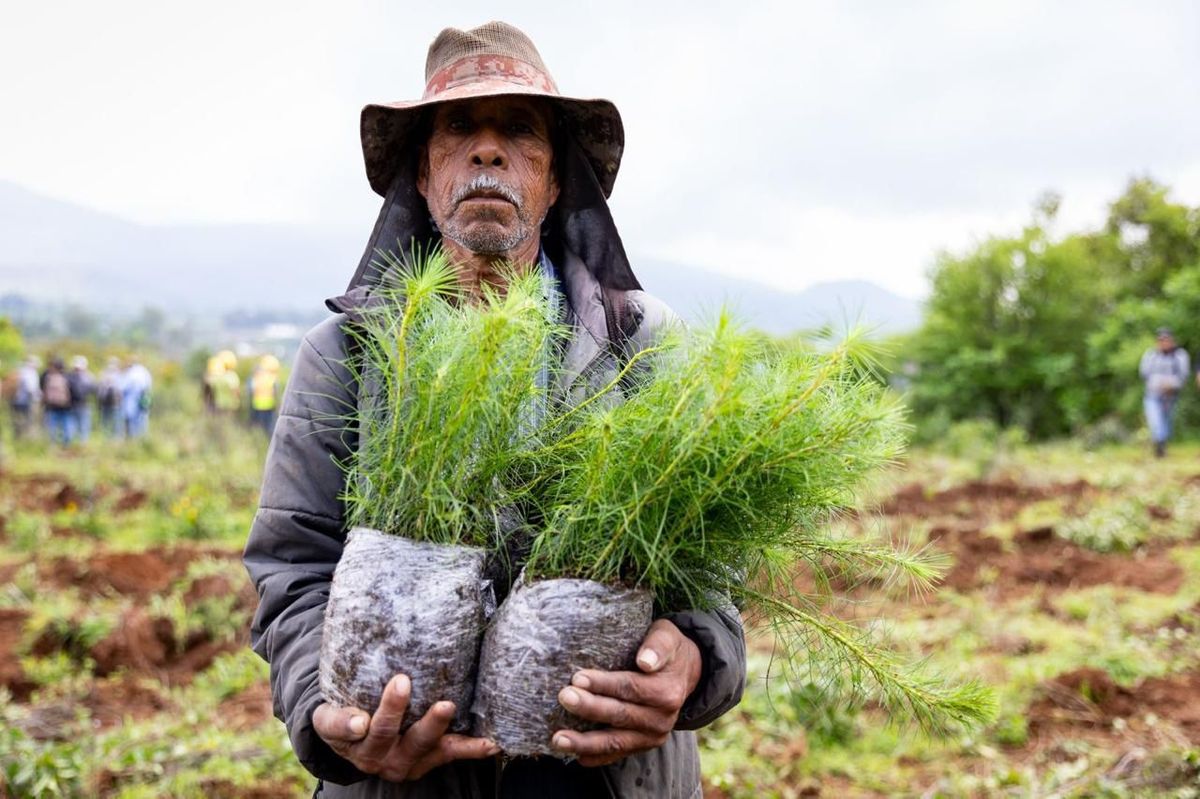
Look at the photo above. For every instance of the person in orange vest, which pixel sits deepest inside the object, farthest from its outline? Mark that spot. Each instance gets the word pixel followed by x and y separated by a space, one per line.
pixel 264 393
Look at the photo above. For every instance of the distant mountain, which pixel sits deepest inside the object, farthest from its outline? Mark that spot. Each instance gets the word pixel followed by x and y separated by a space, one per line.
pixel 59 251
pixel 696 293
pixel 56 251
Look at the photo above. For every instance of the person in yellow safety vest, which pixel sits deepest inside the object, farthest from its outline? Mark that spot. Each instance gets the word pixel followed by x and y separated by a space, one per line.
pixel 228 386
pixel 264 393
pixel 213 370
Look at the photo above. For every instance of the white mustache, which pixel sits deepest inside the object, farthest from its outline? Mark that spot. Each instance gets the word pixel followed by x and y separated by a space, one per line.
pixel 487 183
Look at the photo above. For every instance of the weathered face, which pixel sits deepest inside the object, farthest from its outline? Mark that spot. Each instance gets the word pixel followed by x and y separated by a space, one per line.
pixel 487 174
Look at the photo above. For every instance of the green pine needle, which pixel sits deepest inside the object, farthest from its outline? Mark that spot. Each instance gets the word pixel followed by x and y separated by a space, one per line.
pixel 716 478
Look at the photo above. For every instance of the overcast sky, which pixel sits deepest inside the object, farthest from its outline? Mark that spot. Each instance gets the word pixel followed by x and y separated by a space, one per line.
pixel 791 142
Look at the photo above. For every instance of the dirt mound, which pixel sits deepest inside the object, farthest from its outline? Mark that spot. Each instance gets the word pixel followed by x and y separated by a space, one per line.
pixel 148 645
pixel 12 676
pixel 219 585
pixel 135 574
pixel 139 643
pixel 112 701
pixel 109 703
pixel 46 493
pixel 138 574
pixel 978 499
pixel 248 709
pixel 1039 557
pixel 1089 698
pixel 130 500
pixel 9 570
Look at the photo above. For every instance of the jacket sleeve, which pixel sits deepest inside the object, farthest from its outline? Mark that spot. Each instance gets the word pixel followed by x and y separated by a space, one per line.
pixel 718 633
pixel 297 538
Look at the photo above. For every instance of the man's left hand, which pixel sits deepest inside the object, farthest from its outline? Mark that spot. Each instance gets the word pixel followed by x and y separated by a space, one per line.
pixel 640 708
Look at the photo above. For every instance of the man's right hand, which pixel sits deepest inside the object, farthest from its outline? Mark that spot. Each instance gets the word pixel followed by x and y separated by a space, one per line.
pixel 374 744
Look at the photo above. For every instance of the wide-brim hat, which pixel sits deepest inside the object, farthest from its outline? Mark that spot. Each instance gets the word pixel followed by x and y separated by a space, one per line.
pixel 492 60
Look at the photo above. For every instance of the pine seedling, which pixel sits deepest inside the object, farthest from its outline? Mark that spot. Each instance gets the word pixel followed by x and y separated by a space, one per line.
pixel 718 477
pixel 447 391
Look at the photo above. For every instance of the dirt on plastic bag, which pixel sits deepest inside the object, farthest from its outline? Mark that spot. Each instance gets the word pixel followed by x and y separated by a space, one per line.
pixel 401 606
pixel 543 633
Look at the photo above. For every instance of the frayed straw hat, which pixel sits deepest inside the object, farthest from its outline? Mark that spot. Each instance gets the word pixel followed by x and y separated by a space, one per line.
pixel 493 59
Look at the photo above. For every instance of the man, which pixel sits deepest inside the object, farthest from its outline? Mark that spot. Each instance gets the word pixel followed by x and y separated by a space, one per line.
pixel 264 393
pixel 56 401
pixel 108 395
pixel 135 397
pixel 83 388
pixel 496 166
pixel 1165 369
pixel 26 396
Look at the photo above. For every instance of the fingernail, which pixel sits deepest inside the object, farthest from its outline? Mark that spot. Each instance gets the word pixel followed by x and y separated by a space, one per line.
pixel 358 725
pixel 562 742
pixel 445 707
pixel 581 680
pixel 648 658
pixel 494 748
pixel 569 697
pixel 402 685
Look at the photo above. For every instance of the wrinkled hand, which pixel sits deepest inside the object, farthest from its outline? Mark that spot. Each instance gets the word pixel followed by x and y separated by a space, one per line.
pixel 640 708
pixel 374 744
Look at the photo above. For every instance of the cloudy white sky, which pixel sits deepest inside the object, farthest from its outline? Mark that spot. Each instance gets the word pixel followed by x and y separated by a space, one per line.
pixel 791 142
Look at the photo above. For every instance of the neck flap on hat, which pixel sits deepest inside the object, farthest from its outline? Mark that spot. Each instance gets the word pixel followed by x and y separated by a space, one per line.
pixel 580 222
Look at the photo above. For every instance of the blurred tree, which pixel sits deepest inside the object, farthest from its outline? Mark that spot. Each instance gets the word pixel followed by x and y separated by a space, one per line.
pixel 1002 336
pixel 1155 238
pixel 1046 334
pixel 11 346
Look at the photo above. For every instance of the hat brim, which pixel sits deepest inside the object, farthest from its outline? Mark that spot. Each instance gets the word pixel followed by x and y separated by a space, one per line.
pixel 387 127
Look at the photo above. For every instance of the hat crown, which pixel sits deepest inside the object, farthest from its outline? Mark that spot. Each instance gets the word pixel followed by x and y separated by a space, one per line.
pixel 489 39
pixel 495 59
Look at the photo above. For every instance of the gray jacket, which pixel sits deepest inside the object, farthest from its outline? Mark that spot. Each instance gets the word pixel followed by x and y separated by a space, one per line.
pixel 299 530
pixel 1164 373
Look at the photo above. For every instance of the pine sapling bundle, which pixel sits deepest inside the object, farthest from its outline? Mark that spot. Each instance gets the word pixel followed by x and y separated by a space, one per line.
pixel 445 389
pixel 714 480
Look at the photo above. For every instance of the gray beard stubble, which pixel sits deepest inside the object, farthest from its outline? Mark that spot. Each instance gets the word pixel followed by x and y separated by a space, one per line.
pixel 490 239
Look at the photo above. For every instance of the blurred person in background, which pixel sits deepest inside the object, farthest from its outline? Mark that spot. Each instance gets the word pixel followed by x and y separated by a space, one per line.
pixel 264 393
pixel 56 401
pixel 226 385
pixel 108 397
pixel 26 397
pixel 135 397
pixel 214 368
pixel 83 389
pixel 1164 368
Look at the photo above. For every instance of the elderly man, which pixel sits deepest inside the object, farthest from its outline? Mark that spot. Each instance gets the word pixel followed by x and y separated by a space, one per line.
pixel 496 166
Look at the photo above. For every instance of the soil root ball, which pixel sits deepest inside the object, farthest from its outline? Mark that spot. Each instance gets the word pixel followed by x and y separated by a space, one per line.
pixel 543 633
pixel 398 606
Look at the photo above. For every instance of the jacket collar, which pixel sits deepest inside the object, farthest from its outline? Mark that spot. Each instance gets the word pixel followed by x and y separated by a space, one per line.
pixel 580 287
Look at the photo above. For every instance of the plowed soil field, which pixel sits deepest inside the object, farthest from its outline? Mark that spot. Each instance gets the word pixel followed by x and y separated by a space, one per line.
pixel 125 669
